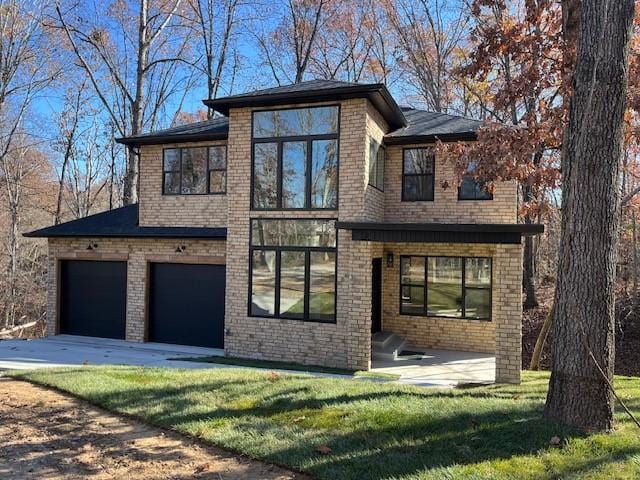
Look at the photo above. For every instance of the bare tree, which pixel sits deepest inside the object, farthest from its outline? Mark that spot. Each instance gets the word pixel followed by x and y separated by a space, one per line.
pixel 428 33
pixel 133 80
pixel 580 391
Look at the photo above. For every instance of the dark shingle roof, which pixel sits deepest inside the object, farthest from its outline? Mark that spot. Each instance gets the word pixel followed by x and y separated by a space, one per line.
pixel 424 126
pixel 213 129
pixel 123 223
pixel 315 91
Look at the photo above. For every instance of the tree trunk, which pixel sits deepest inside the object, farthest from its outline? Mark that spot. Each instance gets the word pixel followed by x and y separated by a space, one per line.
pixel 583 320
pixel 542 339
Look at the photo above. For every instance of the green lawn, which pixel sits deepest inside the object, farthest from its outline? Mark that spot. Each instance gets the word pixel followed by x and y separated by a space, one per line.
pixel 374 430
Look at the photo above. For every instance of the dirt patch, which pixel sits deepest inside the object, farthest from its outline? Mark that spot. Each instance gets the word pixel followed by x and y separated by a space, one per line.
pixel 47 435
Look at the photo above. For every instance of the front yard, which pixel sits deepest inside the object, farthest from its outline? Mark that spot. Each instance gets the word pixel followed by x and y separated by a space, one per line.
pixel 355 429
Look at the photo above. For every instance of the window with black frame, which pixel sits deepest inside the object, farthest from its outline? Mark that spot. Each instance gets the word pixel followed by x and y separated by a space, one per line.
pixel 293 269
pixel 455 287
pixel 376 164
pixel 295 159
pixel 472 188
pixel 194 170
pixel 418 178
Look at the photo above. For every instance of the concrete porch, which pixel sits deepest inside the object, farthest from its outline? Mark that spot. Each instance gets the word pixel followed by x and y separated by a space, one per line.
pixel 439 368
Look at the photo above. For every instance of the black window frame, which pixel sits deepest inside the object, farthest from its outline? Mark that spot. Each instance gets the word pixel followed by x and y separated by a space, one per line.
pixel 309 139
pixel 208 174
pixel 432 175
pixel 307 273
pixel 425 306
pixel 486 196
pixel 380 161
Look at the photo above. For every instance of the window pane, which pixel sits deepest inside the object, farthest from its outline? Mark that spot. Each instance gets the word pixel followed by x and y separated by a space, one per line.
pixel 324 174
pixel 171 183
pixel 194 170
pixel 478 272
pixel 217 181
pixel 380 168
pixel 472 189
pixel 373 162
pixel 418 187
pixel 265 175
pixel 294 233
pixel 292 284
pixel 171 162
pixel 298 121
pixel 263 283
pixel 322 295
pixel 444 286
pixel 419 160
pixel 294 163
pixel 412 270
pixel 217 158
pixel 412 300
pixel 478 303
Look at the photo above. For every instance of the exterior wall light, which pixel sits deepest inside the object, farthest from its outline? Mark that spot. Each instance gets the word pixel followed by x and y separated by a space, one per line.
pixel 389 259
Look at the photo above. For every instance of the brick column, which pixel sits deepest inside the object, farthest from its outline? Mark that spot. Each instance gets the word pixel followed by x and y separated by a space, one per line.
pixel 507 313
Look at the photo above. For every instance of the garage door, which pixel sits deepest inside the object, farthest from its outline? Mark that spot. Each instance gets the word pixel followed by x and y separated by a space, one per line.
pixel 186 304
pixel 93 298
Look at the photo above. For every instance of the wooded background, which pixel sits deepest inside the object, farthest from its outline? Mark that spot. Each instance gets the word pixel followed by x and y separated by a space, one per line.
pixel 76 74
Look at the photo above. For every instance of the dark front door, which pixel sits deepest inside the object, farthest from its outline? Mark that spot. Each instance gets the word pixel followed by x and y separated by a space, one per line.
pixel 376 295
pixel 93 298
pixel 186 304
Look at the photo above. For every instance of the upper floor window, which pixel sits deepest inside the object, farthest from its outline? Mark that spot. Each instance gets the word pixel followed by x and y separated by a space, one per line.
pixel 194 170
pixel 376 164
pixel 418 174
pixel 295 159
pixel 457 287
pixel 293 269
pixel 471 188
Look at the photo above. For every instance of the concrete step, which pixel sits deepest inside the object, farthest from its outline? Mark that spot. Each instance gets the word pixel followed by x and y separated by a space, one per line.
pixel 389 349
pixel 381 339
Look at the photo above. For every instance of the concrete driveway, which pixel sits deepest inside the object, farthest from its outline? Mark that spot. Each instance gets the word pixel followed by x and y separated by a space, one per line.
pixel 67 350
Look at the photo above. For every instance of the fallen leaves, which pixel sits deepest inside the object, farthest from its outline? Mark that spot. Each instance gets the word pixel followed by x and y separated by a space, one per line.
pixel 323 449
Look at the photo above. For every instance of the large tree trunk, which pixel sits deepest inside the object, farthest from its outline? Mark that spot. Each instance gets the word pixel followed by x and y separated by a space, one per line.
pixel 584 300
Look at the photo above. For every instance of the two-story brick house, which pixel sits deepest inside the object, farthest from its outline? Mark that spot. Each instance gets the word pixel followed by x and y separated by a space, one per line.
pixel 292 227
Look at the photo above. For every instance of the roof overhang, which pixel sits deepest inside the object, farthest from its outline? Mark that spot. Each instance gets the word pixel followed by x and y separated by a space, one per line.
pixel 163 139
pixel 445 137
pixel 440 232
pixel 139 232
pixel 376 93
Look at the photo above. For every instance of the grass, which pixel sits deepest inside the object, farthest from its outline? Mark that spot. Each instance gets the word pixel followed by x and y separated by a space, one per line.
pixel 298 367
pixel 374 430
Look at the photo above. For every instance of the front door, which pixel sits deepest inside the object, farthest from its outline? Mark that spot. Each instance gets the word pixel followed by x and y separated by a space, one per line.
pixel 376 295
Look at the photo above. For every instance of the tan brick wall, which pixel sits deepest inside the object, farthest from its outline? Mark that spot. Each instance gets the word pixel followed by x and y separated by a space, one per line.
pixel 502 334
pixel 137 253
pixel 376 128
pixel 157 209
pixel 347 343
pixel 445 206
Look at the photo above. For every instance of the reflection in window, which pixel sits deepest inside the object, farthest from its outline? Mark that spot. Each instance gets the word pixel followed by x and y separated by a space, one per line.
pixel 376 164
pixel 295 158
pixel 418 174
pixel 324 174
pixel 263 290
pixel 194 171
pixel 293 268
pixel 265 175
pixel 456 287
pixel 473 189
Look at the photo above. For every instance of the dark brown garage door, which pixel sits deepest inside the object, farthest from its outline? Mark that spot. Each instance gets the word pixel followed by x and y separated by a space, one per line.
pixel 186 304
pixel 93 298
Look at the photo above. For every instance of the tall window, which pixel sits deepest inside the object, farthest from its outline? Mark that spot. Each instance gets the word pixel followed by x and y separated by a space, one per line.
pixel 457 287
pixel 471 188
pixel 418 174
pixel 194 171
pixel 295 159
pixel 293 269
pixel 376 164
